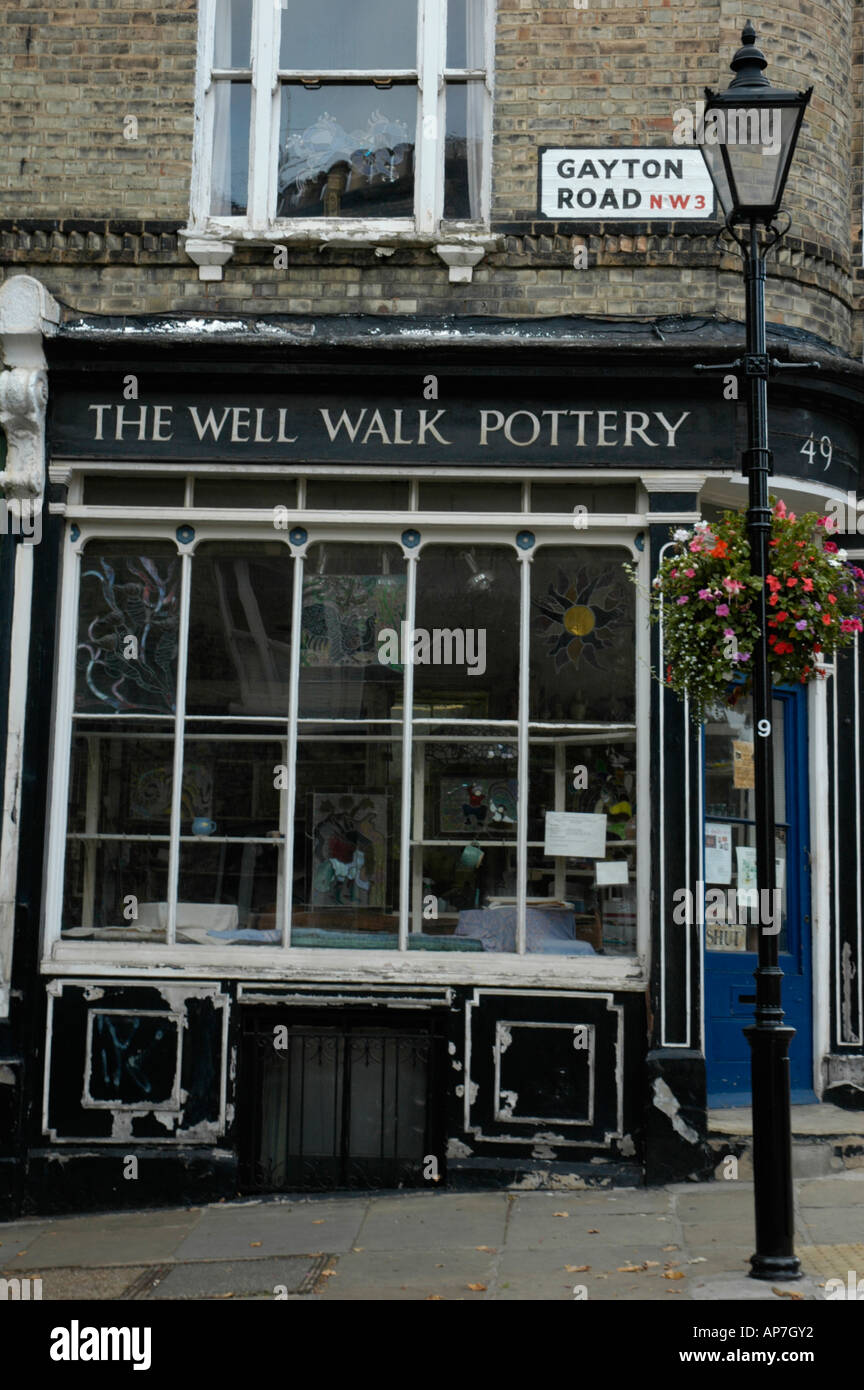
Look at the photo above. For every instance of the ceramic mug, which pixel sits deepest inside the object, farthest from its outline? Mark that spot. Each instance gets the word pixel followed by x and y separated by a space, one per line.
pixel 472 855
pixel 202 826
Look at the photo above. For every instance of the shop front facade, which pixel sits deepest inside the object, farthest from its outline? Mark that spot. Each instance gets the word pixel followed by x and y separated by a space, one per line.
pixel 350 837
pixel 338 643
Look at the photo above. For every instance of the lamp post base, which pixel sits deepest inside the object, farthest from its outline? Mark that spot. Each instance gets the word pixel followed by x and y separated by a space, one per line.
pixel 775 1256
pixel 777 1267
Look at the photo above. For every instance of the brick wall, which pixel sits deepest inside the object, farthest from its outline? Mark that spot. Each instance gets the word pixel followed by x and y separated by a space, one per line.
pixel 95 215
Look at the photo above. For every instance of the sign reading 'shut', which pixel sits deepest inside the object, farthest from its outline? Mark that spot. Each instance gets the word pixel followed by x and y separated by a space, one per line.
pixel 637 184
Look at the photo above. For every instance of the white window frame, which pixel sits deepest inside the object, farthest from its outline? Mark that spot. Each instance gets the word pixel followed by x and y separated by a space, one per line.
pixel 61 957
pixel 260 222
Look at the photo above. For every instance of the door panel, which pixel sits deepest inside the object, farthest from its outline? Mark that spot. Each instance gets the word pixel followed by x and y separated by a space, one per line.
pixel 730 932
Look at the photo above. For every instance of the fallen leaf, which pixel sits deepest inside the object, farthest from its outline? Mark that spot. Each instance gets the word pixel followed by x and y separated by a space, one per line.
pixel 560 1213
pixel 629 1269
pixel 433 1297
pixel 253 1243
pixel 326 1273
pixel 358 1249
pixel 576 1269
pixel 698 1260
pixel 593 1231
pixel 650 1264
pixel 671 1247
pixel 439 1266
pixel 477 1288
pixel 488 1249
pixel 786 1293
pixel 320 1221
pixel 674 1274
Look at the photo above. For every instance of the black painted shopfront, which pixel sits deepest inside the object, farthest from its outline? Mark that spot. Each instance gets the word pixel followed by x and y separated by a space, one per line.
pixel 331 642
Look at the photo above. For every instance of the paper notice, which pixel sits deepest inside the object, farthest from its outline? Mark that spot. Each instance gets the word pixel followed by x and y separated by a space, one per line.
pixel 743 773
pixel 611 871
pixel 577 835
pixel 718 853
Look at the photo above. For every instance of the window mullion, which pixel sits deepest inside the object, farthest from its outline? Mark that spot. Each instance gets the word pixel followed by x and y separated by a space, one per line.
pixel 262 135
pixel 407 752
pixel 64 715
pixel 522 760
pixel 289 798
pixel 179 747
pixel 430 126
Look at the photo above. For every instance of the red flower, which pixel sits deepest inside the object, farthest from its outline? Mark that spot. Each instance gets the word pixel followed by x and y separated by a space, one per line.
pixel 830 546
pixel 826 618
pixel 790 583
pixel 831 598
pixel 720 549
pixel 783 647
pixel 808 585
pixel 781 617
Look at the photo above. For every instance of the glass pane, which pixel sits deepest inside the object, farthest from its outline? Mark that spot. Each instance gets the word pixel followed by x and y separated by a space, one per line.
pixel 229 178
pixel 465 39
pixel 350 647
pixel 118 832
pixel 583 663
pixel 346 843
pixel 134 492
pixel 474 498
pixel 729 778
pixel 564 497
pixel 233 34
pixel 240 629
pixel 228 892
pixel 232 848
pixel 731 899
pixel 463 149
pixel 343 494
pixel 128 614
pixel 467 628
pixel 339 34
pixel 594 776
pixel 250 492
pixel 347 151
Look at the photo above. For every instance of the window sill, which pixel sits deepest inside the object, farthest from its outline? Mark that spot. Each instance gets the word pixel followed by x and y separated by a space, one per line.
pixel 460 245
pixel 625 973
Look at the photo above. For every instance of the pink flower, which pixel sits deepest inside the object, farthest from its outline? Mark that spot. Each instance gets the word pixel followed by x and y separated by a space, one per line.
pixel 722 610
pixel 689 573
pixel 732 586
pixel 728 632
pixel 695 545
pixel 780 508
pixel 684 598
pixel 705 593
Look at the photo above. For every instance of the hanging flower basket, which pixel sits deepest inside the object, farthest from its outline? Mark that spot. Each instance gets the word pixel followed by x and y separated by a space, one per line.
pixel 706 598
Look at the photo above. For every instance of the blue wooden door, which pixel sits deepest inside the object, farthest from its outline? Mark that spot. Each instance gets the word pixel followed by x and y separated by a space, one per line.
pixel 729 931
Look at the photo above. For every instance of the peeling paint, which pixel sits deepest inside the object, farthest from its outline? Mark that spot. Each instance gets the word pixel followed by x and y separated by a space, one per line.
pixel 451 1048
pixel 457 1066
pixel 503 1039
pixel 165 1118
pixel 121 1124
pixel 456 1149
pixel 626 1147
pixel 7 1076
pixel 506 1105
pixel 666 1101
pixel 543 1151
pixel 93 992
pixel 473 1091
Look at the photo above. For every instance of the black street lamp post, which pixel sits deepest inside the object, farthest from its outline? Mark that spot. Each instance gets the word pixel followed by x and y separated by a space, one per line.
pixel 755 128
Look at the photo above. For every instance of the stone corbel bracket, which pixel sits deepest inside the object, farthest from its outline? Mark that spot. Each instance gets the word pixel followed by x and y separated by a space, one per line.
pixel 23 399
pixel 208 253
pixel 460 261
pixel 27 313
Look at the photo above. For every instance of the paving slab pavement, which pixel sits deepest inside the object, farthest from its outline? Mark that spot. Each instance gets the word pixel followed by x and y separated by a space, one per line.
pixel 687 1241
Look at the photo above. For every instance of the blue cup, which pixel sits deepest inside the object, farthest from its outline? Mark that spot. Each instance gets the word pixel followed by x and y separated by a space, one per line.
pixel 202 826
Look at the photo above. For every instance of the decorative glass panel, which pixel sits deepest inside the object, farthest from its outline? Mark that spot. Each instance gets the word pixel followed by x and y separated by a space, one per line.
pixel 375 35
pixel 127 628
pixel 350 640
pixel 583 662
pixel 347 151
